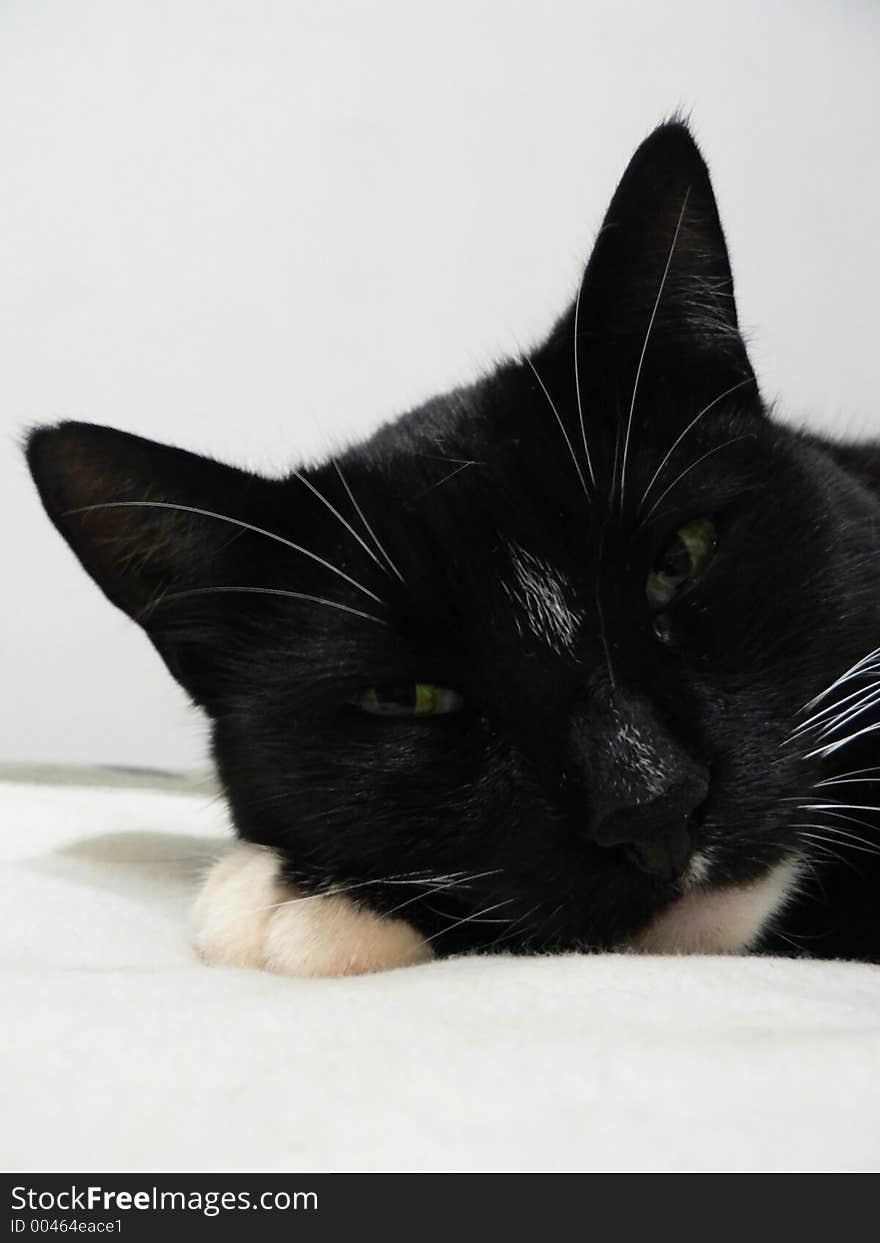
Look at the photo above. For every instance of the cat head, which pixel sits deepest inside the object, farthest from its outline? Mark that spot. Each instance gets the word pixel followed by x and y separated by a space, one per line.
pixel 537 650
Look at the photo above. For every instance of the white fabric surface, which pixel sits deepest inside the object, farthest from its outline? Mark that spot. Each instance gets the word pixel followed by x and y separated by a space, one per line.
pixel 123 1052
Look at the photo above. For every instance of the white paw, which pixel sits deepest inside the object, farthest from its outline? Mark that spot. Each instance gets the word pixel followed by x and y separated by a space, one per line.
pixel 246 916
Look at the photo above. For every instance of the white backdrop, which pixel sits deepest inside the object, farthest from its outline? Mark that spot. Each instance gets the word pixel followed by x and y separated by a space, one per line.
pixel 257 229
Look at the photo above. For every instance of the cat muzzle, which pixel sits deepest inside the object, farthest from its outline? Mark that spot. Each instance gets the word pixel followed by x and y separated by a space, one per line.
pixel 644 790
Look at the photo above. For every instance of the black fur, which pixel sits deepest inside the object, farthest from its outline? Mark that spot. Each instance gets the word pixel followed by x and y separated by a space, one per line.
pixel 545 788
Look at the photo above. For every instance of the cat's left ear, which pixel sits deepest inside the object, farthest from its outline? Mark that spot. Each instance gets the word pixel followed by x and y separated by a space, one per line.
pixel 660 271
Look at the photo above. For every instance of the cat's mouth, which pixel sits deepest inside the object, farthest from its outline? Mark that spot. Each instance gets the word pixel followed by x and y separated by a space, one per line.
pixel 718 920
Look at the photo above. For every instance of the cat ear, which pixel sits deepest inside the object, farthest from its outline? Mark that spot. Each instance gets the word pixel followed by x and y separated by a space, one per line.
pixel 136 514
pixel 659 271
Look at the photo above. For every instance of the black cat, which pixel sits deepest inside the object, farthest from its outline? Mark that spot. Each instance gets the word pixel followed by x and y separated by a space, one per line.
pixel 582 657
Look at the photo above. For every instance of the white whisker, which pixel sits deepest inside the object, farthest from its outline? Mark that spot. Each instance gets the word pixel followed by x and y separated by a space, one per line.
pixel 727 443
pixel 561 428
pixel 446 478
pixel 692 424
pixel 818 720
pixel 336 514
pixel 840 807
pixel 844 677
pixel 514 929
pixel 577 379
pixel 840 837
pixel 312 897
pixel 830 747
pixel 470 918
pixel 406 878
pixel 445 884
pixel 273 591
pixel 841 815
pixel 236 522
pixel 869 700
pixel 632 404
pixel 617 431
pixel 363 519
pixel 851 778
pixel 826 850
pixel 439 888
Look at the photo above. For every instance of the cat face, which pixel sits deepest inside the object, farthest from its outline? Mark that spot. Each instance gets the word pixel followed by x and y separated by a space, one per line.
pixel 525 668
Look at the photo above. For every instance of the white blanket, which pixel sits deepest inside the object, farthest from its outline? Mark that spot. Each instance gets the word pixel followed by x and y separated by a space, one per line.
pixel 123 1052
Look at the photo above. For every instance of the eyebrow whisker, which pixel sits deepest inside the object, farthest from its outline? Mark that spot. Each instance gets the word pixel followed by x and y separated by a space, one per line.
pixel 237 522
pixel 272 591
pixel 717 449
pixel 692 424
pixel 577 379
pixel 363 519
pixel 561 428
pixel 632 404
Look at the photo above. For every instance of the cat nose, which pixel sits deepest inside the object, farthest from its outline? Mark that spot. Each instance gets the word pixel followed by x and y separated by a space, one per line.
pixel 658 832
pixel 642 788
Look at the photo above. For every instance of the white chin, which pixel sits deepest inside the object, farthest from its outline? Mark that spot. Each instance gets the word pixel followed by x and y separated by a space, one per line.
pixel 719 921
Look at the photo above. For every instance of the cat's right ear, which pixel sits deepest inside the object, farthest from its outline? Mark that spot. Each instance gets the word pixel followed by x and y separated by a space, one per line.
pixel 145 520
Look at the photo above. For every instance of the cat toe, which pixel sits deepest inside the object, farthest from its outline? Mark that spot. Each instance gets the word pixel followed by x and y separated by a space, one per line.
pixel 235 905
pixel 331 936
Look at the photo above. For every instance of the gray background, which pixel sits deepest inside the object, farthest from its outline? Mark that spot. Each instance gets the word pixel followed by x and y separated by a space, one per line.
pixel 257 229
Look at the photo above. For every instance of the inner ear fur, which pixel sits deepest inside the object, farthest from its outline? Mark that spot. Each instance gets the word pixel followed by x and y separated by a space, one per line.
pixel 113 497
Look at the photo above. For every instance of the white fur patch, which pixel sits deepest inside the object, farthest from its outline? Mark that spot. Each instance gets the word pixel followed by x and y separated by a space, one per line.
pixel 719 921
pixel 642 757
pixel 540 593
pixel 245 916
pixel 698 868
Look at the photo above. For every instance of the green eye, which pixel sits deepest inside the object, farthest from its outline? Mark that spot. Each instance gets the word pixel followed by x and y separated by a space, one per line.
pixel 684 560
pixel 412 699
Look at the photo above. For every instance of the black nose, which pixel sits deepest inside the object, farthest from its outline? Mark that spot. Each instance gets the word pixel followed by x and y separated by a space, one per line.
pixel 642 787
pixel 658 832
